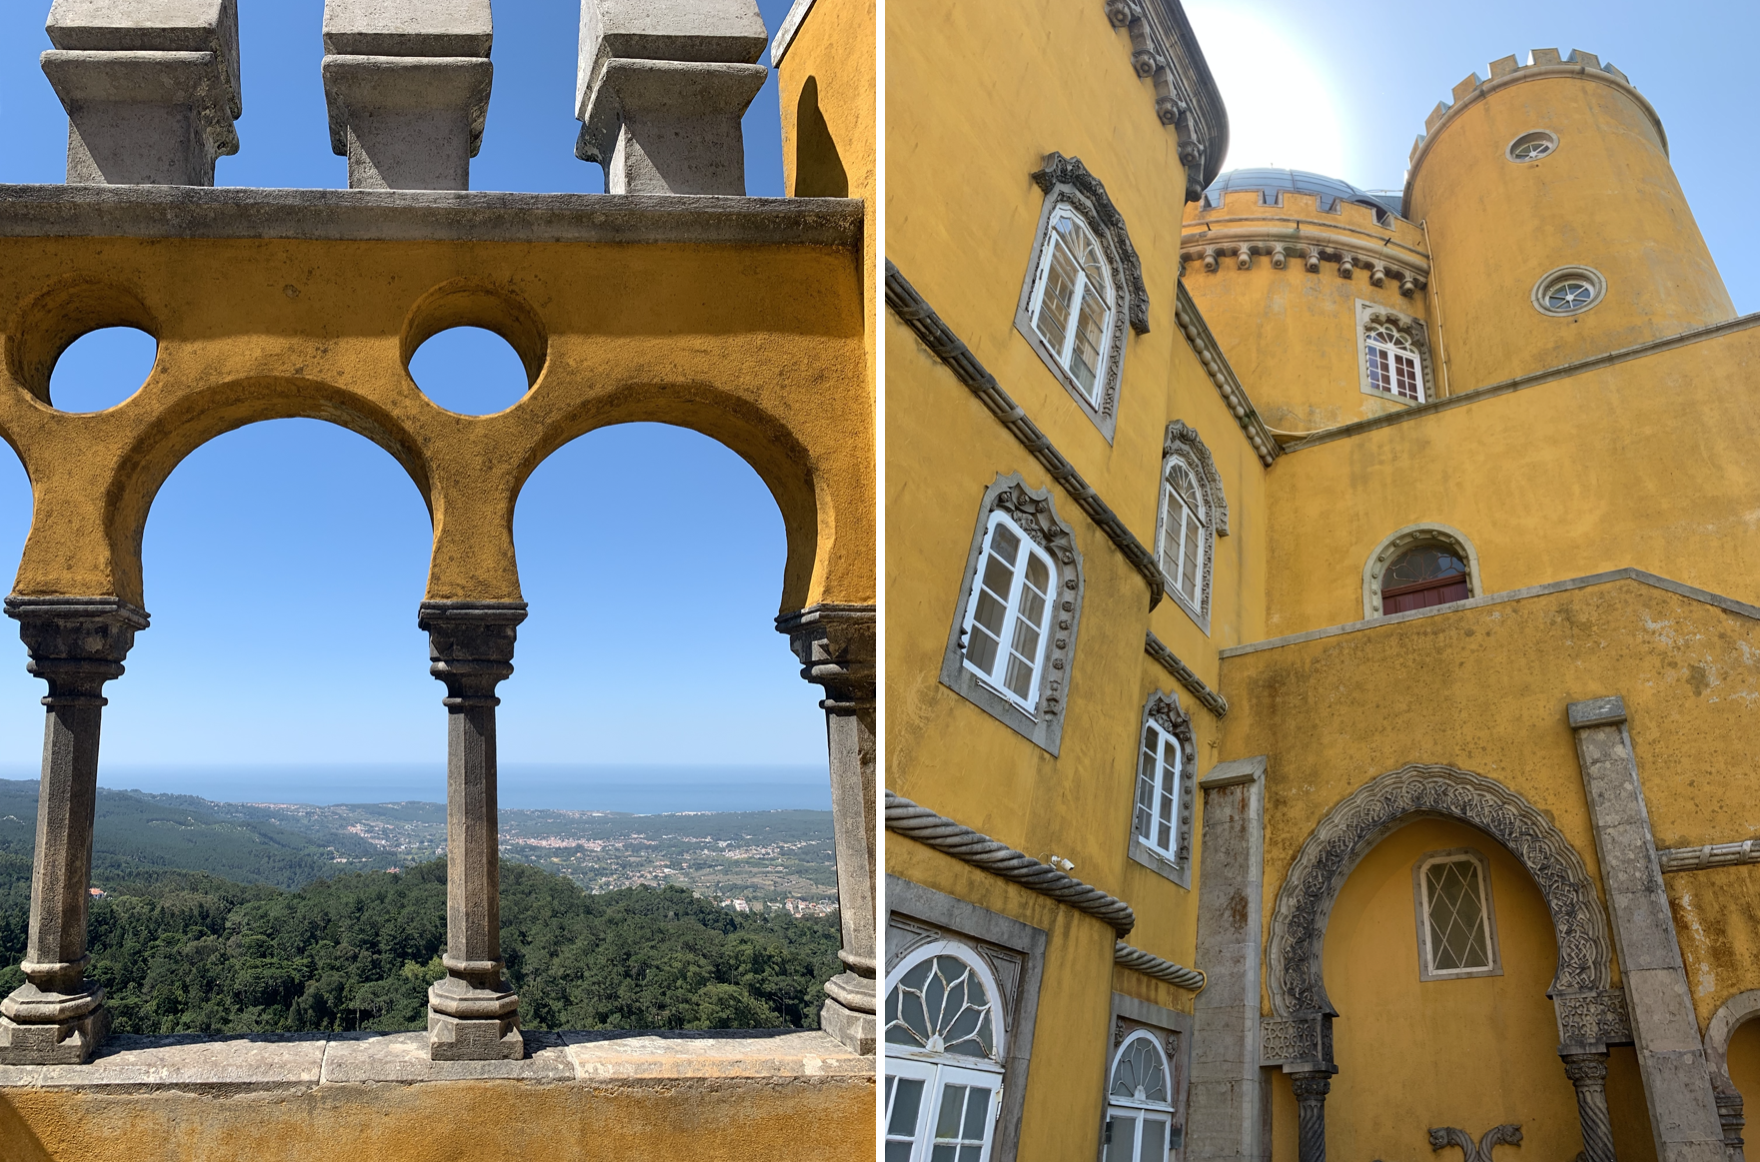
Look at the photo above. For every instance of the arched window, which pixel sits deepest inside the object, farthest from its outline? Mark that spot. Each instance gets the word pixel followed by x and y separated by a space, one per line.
pixel 1007 612
pixel 1139 1111
pixel 944 1045
pixel 1424 575
pixel 1072 301
pixel 1393 363
pixel 1183 531
pixel 1161 819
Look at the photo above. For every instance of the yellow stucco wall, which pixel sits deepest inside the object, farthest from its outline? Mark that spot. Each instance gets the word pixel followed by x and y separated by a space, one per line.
pixel 1607 199
pixel 1744 1063
pixel 489 1120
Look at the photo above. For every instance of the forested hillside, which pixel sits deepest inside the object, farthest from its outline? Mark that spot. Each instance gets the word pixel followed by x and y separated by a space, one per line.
pixel 191 952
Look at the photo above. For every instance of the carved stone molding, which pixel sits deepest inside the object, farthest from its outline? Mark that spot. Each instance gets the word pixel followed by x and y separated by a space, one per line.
pixel 1309 252
pixel 836 648
pixel 1184 441
pixel 1059 170
pixel 1165 52
pixel 1184 675
pixel 1508 1134
pixel 1351 829
pixel 1596 1017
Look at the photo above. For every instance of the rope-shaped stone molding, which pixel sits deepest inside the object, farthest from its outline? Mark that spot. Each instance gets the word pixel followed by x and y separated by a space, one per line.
pixel 1203 344
pixel 956 839
pixel 1676 859
pixel 1148 964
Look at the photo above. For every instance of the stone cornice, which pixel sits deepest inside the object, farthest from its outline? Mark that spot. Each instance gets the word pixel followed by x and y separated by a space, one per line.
pixel 1228 384
pixel 1280 241
pixel 1165 51
pixel 1184 675
pixel 1506 72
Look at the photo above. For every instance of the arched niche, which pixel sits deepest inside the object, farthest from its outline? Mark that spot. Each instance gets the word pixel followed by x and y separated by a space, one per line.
pixel 1398 541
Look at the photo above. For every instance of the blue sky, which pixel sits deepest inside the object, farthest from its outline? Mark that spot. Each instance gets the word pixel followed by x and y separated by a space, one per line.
pixel 284 561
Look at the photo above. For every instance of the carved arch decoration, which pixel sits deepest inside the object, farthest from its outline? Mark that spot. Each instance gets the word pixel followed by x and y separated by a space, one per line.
pixel 1734 1013
pixel 1108 225
pixel 1396 542
pixel 1184 441
pixel 1352 828
pixel 1164 710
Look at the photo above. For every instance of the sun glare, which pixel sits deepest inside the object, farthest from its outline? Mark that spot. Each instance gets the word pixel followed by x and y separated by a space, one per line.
pixel 1281 111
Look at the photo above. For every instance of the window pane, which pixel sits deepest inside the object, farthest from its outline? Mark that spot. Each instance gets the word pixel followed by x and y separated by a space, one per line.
pixel 907 1101
pixel 1084 361
pixel 1054 303
pixel 998 576
pixel 953 1100
pixel 1380 379
pixel 1154 1147
pixel 981 651
pixel 1145 822
pixel 977 1114
pixel 1039 574
pixel 897 1151
pixel 944 1153
pixel 1189 566
pixel 1456 916
pixel 1121 1144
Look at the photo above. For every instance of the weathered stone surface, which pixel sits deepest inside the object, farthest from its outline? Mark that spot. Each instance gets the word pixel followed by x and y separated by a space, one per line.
pixel 610 1054
pixel 667 30
pixel 668 127
pixel 191 1063
pixel 1226 1113
pixel 142 118
pixel 404 1057
pixel 407 123
pixel 193 26
pixel 432 28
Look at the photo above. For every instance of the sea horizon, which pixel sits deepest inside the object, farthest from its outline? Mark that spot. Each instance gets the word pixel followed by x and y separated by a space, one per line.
pixel 635 788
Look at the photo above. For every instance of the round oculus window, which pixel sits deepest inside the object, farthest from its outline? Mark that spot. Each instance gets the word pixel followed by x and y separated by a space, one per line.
pixel 1532 146
pixel 1570 290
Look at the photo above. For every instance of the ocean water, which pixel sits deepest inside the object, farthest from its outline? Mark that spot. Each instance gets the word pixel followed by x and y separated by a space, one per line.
pixel 638 789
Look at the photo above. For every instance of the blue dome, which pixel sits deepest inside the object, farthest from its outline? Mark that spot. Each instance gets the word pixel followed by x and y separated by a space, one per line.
pixel 1327 191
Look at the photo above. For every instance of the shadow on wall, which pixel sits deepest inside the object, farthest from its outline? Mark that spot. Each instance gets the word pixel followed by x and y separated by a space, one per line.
pixel 818 170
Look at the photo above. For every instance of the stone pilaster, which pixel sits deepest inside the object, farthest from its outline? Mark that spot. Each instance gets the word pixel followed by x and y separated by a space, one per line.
pixel 1226 1114
pixel 661 89
pixel 472 1013
pixel 1671 1058
pixel 1588 1073
pixel 1729 1113
pixel 57 1017
pixel 836 648
pixel 1311 1090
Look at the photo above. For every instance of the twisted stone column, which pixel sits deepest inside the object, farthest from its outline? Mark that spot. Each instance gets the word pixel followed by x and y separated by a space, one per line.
pixel 1588 1072
pixel 836 648
pixel 1311 1090
pixel 472 1013
pixel 57 1017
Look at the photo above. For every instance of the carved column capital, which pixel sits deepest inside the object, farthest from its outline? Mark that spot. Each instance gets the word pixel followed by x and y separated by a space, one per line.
pixel 76 643
pixel 1311 1086
pixel 1585 1068
pixel 836 645
pixel 470 645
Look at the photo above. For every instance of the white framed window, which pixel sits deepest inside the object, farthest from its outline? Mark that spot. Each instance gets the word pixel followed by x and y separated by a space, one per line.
pixel 1457 932
pixel 1007 612
pixel 1184 531
pixel 1139 1102
pixel 944 1043
pixel 1160 772
pixel 1393 363
pixel 1071 306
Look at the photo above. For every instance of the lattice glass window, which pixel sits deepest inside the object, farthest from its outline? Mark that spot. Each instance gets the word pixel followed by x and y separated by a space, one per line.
pixel 1139 1111
pixel 1071 307
pixel 1183 529
pixel 1007 615
pixel 1393 363
pixel 1159 768
pixel 943 1062
pixel 1458 937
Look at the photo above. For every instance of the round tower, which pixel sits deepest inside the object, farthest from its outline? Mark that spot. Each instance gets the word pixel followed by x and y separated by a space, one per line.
pixel 1315 290
pixel 1557 229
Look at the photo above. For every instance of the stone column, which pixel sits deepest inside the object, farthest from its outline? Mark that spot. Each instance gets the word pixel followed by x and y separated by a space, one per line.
pixel 836 648
pixel 57 1017
pixel 1588 1073
pixel 1729 1112
pixel 1226 1110
pixel 151 88
pixel 1671 1058
pixel 661 89
pixel 407 85
pixel 472 1013
pixel 1311 1090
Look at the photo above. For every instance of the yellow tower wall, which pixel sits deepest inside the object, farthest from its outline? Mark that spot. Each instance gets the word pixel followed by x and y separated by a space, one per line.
pixel 1607 198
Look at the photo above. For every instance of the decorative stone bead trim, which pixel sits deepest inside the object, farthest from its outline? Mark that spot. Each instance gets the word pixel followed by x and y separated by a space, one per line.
pixel 1543 63
pixel 1309 250
pixel 1676 859
pixel 1137 960
pixel 915 312
pixel 1165 52
pixel 1209 353
pixel 992 855
pixel 1182 673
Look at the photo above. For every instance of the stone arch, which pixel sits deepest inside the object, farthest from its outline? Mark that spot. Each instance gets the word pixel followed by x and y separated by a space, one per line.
pixel 1734 1013
pixel 1347 833
pixel 1391 545
pixel 772 449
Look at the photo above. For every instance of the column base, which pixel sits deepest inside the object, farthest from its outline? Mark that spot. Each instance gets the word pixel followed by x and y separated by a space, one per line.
pixel 63 1043
pixel 461 1039
pixel 858 1031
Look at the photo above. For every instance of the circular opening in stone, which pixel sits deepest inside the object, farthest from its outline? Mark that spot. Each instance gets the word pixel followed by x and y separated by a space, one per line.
pixel 1570 290
pixel 1533 146
pixel 101 369
pixel 469 370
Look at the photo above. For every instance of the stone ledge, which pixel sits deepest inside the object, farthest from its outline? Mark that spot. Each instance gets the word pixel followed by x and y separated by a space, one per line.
pixel 64 211
pixel 299 1062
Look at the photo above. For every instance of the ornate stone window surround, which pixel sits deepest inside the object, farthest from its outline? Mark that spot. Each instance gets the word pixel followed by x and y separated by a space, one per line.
pixel 1426 971
pixel 1031 510
pixel 1066 182
pixel 1372 316
pixel 1173 1032
pixel 1182 443
pixel 1012 954
pixel 1399 541
pixel 1164 711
